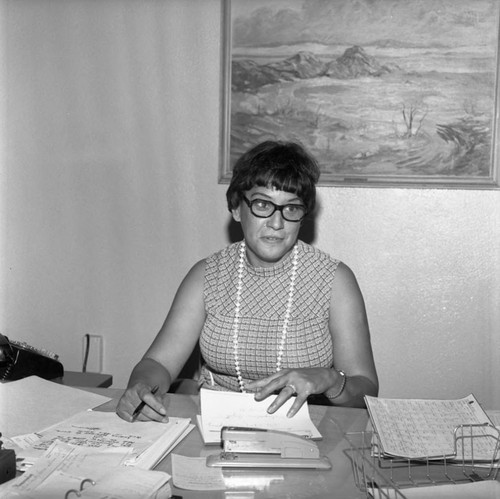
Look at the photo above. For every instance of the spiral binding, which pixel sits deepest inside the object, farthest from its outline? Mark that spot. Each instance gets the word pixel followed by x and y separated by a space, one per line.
pixel 77 492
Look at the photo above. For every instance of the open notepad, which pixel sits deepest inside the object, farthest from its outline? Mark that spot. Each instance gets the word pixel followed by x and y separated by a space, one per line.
pixel 219 409
pixel 425 429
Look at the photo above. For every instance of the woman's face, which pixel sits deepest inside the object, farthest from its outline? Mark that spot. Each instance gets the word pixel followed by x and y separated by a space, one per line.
pixel 270 239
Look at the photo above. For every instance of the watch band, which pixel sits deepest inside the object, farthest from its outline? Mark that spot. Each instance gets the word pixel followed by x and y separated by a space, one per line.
pixel 342 386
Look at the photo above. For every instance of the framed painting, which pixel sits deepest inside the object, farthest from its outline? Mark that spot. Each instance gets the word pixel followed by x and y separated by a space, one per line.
pixel 392 93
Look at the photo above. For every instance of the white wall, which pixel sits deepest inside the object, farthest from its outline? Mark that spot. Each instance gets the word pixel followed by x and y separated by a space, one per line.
pixel 109 163
pixel 428 263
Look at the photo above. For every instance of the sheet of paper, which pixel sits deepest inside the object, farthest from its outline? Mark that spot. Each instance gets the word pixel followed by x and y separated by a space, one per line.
pixel 38 403
pixel 163 446
pixel 220 409
pixel 64 467
pixel 192 473
pixel 494 416
pixel 419 428
pixel 488 489
pixel 102 430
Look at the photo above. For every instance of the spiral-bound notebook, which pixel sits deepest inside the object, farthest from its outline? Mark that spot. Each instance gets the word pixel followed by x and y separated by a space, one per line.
pixel 125 484
pixel 69 471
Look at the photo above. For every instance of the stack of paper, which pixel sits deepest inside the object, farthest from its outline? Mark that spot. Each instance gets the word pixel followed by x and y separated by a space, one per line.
pixel 433 429
pixel 78 447
pixel 150 441
pixel 219 409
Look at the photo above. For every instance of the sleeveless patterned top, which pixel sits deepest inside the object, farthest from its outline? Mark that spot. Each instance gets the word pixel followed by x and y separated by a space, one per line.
pixel 263 306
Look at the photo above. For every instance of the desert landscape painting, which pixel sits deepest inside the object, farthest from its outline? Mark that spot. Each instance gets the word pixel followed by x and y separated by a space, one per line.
pixel 382 92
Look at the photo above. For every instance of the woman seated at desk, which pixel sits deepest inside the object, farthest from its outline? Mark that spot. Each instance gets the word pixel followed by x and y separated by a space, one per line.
pixel 271 313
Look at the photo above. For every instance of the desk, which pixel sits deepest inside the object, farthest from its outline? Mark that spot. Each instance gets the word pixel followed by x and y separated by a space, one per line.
pixel 74 378
pixel 332 422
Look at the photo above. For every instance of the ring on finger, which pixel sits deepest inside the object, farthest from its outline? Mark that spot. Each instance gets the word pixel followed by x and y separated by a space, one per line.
pixel 294 390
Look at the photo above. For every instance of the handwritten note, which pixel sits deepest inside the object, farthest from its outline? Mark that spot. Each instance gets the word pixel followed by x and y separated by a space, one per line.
pixel 104 430
pixel 419 428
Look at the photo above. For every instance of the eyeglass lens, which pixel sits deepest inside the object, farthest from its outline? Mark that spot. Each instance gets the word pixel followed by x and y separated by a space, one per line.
pixel 264 209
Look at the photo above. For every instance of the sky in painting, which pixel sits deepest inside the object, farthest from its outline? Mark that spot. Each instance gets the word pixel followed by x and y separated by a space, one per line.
pixel 445 23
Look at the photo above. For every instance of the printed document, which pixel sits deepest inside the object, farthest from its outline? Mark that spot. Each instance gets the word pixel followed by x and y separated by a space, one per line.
pixel 420 429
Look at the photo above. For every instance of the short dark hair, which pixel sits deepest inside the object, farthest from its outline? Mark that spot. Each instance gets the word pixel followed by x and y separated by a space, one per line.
pixel 286 166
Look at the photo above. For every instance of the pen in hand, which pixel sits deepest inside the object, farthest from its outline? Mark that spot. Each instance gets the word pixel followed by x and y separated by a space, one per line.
pixel 140 407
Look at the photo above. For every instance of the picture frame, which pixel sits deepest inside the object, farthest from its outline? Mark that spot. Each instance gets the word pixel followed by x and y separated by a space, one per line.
pixel 383 94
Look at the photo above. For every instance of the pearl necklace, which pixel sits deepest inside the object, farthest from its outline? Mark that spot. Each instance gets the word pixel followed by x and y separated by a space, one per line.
pixel 236 322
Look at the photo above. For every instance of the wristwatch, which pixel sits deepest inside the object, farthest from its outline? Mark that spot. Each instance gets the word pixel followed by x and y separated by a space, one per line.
pixel 342 386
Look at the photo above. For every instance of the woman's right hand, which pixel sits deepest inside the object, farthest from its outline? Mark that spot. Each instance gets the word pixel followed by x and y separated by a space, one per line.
pixel 155 407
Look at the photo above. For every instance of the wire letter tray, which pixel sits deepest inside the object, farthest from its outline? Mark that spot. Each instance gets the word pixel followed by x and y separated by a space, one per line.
pixel 385 477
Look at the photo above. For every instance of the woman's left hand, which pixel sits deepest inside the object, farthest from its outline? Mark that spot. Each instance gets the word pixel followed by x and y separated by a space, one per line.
pixel 289 382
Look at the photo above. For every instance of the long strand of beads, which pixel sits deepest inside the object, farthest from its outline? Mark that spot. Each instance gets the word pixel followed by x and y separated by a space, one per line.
pixel 236 321
pixel 288 312
pixel 237 316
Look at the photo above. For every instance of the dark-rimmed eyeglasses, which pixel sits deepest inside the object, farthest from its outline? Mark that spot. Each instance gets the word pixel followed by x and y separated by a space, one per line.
pixel 263 208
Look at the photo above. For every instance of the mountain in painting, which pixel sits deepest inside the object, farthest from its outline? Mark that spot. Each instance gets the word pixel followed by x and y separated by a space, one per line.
pixel 247 75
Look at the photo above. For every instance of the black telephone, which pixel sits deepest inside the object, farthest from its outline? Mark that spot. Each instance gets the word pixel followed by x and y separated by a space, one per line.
pixel 19 360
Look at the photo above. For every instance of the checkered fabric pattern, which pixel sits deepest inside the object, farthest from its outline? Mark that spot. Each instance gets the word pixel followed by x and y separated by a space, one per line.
pixel 263 306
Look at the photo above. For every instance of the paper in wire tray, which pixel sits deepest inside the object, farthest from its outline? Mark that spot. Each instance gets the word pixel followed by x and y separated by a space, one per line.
pixel 384 477
pixel 433 429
